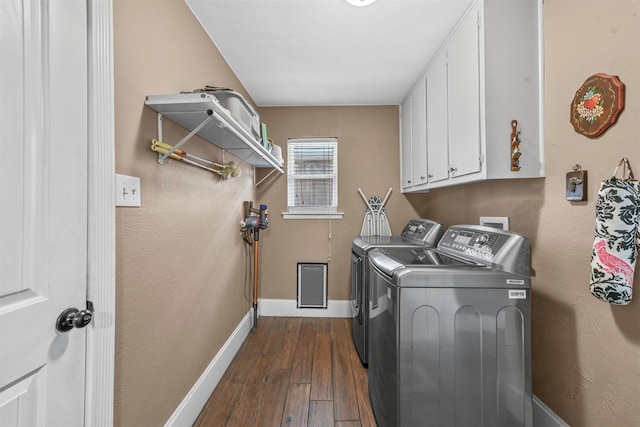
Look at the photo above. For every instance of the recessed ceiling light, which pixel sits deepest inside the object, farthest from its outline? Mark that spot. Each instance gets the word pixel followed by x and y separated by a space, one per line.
pixel 360 2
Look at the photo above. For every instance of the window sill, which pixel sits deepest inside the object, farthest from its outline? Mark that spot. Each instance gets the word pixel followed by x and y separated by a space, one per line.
pixel 312 215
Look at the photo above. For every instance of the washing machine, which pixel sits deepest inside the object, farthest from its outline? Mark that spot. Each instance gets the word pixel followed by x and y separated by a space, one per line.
pixel 449 331
pixel 417 232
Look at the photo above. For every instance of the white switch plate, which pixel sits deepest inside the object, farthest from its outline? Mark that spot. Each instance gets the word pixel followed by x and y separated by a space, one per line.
pixel 127 190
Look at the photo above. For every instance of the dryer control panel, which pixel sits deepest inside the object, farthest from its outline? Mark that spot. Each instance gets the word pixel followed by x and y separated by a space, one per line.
pixel 423 230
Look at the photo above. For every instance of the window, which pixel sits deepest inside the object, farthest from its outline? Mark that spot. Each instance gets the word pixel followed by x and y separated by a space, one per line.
pixel 312 178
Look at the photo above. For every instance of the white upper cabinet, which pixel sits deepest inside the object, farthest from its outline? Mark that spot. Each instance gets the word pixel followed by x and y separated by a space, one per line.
pixel 406 169
pixel 511 75
pixel 437 118
pixel 419 133
pixel 463 106
pixel 487 74
pixel 413 138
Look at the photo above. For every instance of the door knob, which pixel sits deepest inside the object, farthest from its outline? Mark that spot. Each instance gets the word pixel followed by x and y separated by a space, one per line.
pixel 74 318
pixel 82 318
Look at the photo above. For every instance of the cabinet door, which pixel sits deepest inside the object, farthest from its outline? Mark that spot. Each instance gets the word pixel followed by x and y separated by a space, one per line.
pixel 419 133
pixel 463 68
pixel 437 134
pixel 406 174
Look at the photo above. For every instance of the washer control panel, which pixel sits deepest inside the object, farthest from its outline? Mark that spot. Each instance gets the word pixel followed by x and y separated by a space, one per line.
pixel 482 244
pixel 502 249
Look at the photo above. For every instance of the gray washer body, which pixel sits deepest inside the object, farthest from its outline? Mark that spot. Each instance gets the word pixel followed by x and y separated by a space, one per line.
pixel 449 334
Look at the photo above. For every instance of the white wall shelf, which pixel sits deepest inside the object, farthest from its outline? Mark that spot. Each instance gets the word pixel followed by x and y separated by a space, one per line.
pixel 203 115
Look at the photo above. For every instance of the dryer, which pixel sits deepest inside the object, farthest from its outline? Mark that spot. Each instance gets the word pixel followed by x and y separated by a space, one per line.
pixel 417 232
pixel 449 331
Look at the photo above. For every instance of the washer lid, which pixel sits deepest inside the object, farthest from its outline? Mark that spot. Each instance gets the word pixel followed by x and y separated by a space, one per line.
pixel 362 244
pixel 417 232
pixel 384 263
pixel 425 257
pixel 389 260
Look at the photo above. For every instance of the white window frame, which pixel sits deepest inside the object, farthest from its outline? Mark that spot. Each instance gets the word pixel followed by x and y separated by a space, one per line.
pixel 312 212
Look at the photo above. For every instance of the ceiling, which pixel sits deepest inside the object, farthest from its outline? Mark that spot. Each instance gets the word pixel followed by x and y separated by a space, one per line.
pixel 327 52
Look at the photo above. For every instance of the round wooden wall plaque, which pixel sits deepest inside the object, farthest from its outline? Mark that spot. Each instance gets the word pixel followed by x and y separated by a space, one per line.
pixel 597 105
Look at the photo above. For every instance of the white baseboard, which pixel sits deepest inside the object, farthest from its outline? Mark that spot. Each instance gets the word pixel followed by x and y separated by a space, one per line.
pixel 545 417
pixel 288 308
pixel 191 406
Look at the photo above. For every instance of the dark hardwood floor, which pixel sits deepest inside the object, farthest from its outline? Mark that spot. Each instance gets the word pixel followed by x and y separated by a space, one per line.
pixel 293 372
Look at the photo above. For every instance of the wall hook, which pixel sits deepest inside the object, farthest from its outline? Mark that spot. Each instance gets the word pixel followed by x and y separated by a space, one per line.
pixel 576 184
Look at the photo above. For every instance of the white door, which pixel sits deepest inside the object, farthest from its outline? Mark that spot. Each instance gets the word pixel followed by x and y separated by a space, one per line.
pixel 43 211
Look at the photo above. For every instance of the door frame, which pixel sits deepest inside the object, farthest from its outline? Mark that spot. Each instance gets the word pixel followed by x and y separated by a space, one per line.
pixel 100 352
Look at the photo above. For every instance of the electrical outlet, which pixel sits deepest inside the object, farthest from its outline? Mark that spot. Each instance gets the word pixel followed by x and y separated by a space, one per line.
pixel 127 190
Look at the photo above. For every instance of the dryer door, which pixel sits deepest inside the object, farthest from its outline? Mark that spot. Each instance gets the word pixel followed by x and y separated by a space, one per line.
pixel 356 287
pixel 358 314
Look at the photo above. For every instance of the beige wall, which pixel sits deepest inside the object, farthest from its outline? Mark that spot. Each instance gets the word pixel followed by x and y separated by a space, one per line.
pixel 181 263
pixel 368 158
pixel 180 258
pixel 586 353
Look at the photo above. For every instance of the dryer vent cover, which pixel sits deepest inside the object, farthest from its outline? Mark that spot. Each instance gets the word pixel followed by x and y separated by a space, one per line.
pixel 312 285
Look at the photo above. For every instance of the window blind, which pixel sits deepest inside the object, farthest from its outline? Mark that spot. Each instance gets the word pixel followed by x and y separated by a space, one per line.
pixel 312 175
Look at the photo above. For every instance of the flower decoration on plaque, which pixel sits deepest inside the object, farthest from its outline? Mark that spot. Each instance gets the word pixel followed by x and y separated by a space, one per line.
pixel 597 104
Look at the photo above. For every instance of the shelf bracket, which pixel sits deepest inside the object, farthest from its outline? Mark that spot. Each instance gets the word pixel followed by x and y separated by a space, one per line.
pixel 185 139
pixel 255 184
pixel 233 130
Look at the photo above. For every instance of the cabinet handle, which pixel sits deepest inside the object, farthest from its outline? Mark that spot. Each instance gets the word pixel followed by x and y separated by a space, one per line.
pixel 422 178
pixel 452 170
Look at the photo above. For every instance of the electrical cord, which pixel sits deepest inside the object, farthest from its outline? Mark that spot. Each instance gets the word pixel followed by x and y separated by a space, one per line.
pixel 329 260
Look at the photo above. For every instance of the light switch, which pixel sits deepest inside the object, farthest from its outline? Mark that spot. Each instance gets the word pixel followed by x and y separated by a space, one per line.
pixel 127 190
